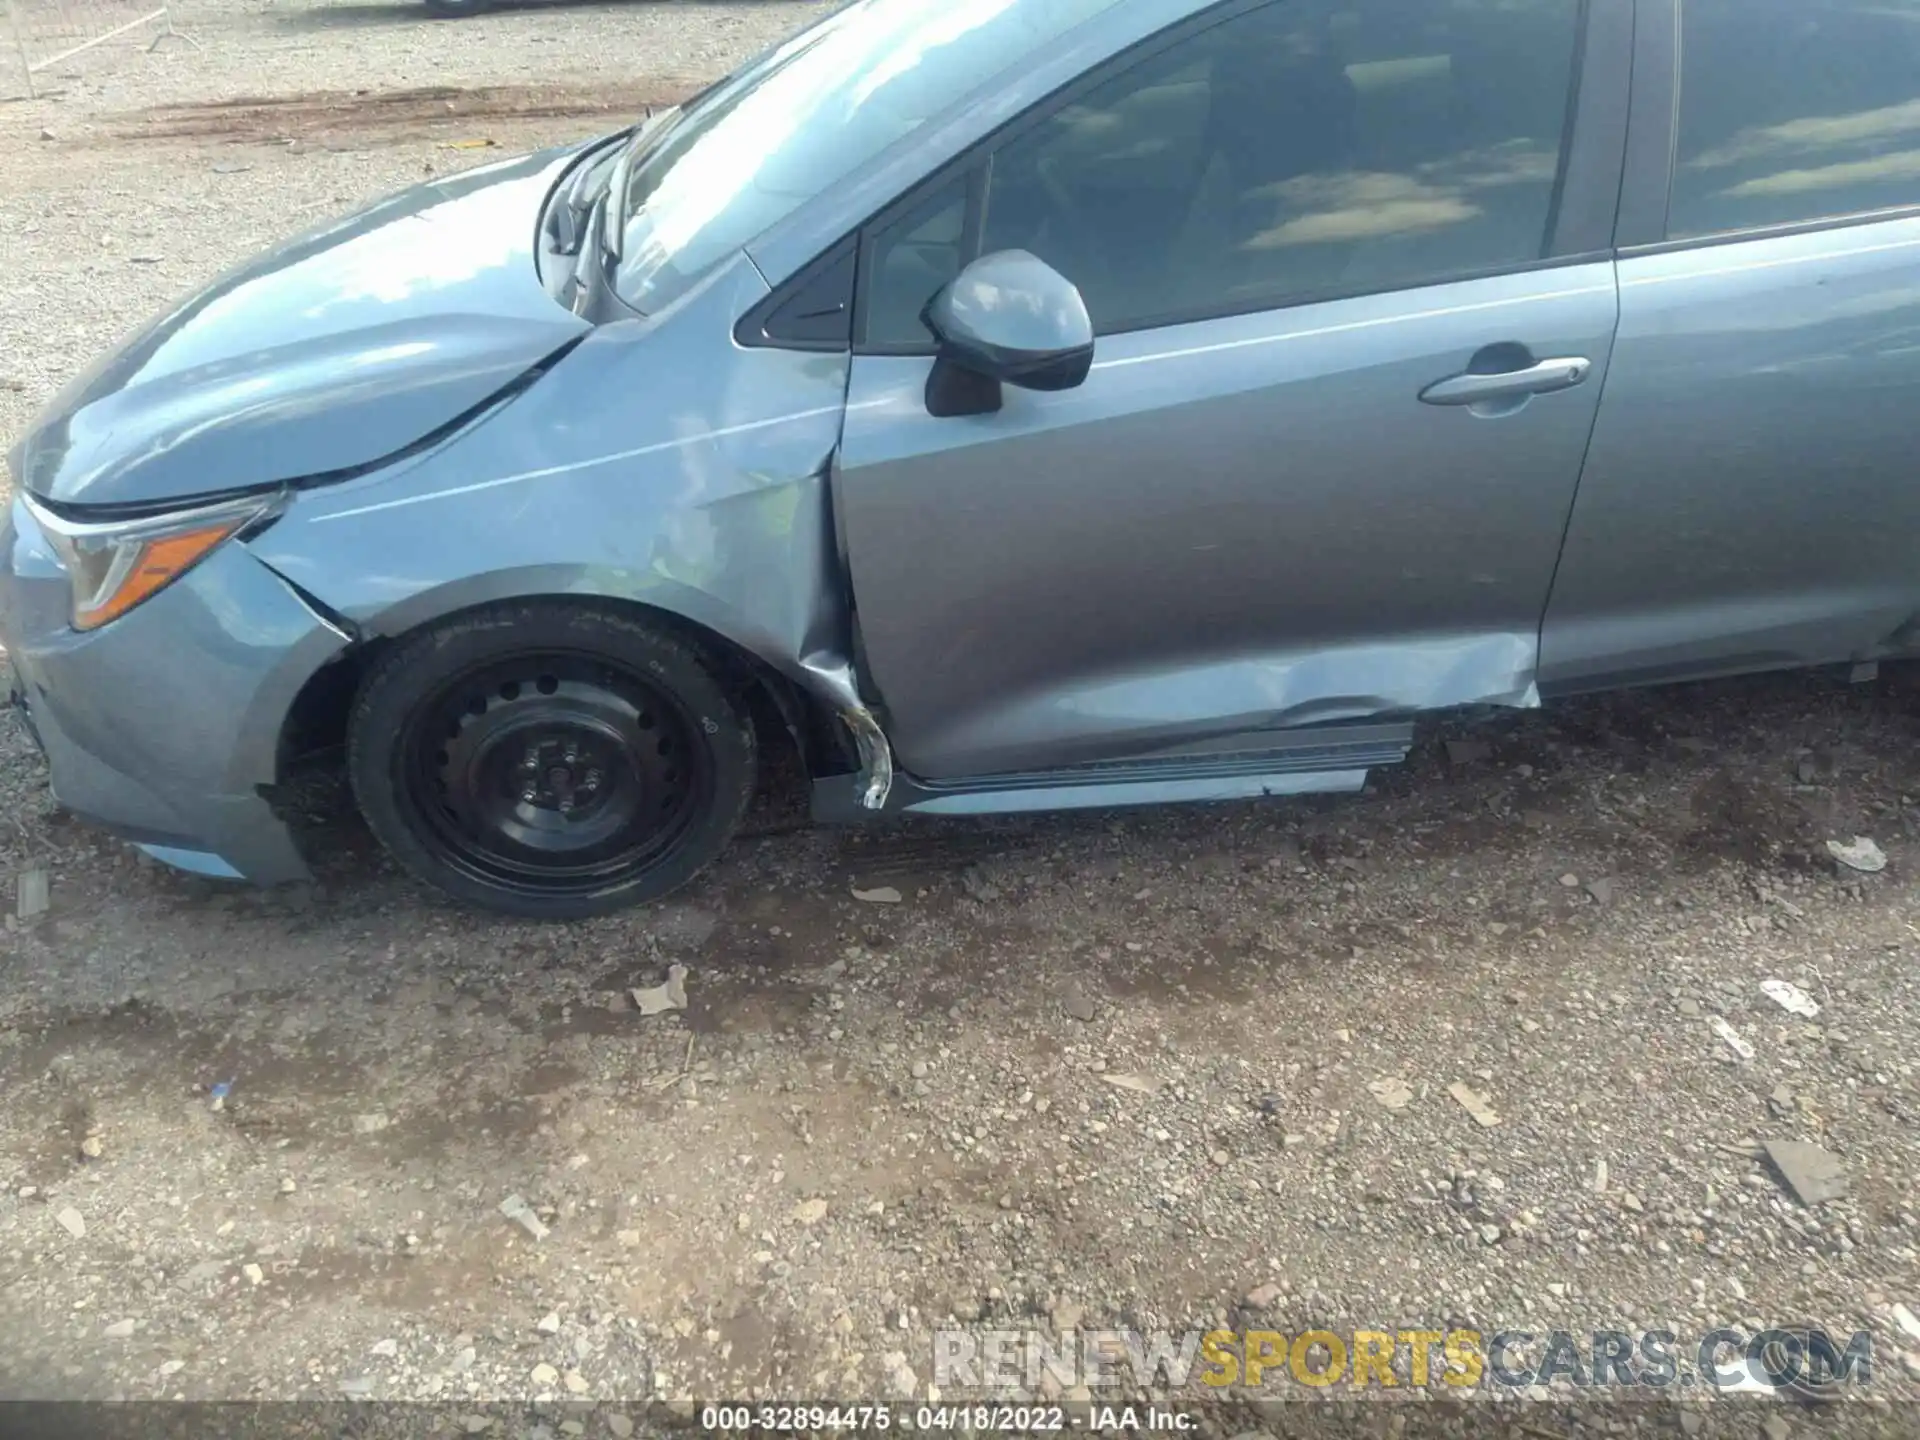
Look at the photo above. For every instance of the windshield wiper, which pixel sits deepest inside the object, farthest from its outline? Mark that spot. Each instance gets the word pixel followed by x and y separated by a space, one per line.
pixel 613 209
pixel 600 210
pixel 571 217
pixel 649 134
pixel 568 222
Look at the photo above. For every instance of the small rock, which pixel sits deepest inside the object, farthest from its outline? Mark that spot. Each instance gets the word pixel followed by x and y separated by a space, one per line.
pixel 72 1222
pixel 1570 881
pixel 1860 854
pixel 1813 1174
pixel 1077 1003
pixel 549 1324
pixel 1490 1234
pixel 1906 1320
pixel 1475 1104
pixel 544 1375
pixel 810 1212
pixel 1630 1201
pixel 575 1382
pixel 1775 1427
pixel 1467 752
pixel 370 1124
pixel 119 1330
pixel 91 1148
pixel 1263 1297
pixel 921 1070
pixel 46 133
pixel 900 1377
pixel 884 895
pixel 1391 1091
pixel 255 1275
pixel 1220 1157
pixel 171 1367
pixel 517 1210
pixel 1066 1315
pixel 287 1185
pixel 386 1349
pixel 1601 890
pixel 32 895
pixel 620 1427
pixel 1600 1177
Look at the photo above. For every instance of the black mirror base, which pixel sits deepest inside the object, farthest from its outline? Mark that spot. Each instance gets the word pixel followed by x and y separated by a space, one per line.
pixel 953 390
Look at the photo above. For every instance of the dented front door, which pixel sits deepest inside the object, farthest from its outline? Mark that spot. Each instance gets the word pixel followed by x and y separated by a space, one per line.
pixel 1274 520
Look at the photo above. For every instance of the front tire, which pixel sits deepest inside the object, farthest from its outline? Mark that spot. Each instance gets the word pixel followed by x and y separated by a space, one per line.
pixel 549 761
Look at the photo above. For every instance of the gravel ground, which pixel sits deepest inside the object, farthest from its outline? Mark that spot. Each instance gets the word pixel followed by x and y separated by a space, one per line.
pixel 1159 1070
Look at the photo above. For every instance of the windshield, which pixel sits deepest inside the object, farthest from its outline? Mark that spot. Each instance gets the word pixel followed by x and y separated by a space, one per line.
pixel 758 146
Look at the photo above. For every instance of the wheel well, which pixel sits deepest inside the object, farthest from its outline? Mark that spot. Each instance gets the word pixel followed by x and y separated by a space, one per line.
pixel 784 716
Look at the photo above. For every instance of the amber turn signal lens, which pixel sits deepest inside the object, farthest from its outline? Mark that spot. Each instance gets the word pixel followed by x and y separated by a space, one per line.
pixel 146 567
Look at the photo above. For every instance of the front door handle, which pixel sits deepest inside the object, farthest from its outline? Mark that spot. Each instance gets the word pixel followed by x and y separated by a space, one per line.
pixel 1540 378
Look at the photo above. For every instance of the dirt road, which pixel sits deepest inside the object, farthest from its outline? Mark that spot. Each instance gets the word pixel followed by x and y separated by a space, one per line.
pixel 1160 1070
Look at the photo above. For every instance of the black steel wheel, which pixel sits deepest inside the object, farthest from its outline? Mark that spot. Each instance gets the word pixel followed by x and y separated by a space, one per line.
pixel 548 760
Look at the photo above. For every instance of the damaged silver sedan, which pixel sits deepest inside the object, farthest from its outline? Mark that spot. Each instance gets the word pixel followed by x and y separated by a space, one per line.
pixel 1027 404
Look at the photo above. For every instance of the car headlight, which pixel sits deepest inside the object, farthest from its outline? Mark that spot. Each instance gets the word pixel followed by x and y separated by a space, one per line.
pixel 113 565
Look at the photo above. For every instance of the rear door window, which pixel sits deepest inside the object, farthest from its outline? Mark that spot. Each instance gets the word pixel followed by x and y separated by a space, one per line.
pixel 1794 111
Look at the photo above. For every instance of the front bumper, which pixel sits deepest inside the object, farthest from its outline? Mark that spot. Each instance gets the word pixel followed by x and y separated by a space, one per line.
pixel 164 725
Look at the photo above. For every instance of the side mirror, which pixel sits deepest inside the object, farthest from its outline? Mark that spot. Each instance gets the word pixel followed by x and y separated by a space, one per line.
pixel 1008 318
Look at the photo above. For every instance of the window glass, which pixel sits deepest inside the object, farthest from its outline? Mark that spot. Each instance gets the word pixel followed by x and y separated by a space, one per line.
pixel 1795 110
pixel 909 263
pixel 806 115
pixel 1310 147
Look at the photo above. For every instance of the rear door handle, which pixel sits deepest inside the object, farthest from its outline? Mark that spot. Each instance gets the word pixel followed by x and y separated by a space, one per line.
pixel 1541 378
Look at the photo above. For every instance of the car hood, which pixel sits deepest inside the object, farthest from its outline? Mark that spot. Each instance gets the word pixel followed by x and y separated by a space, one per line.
pixel 320 357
